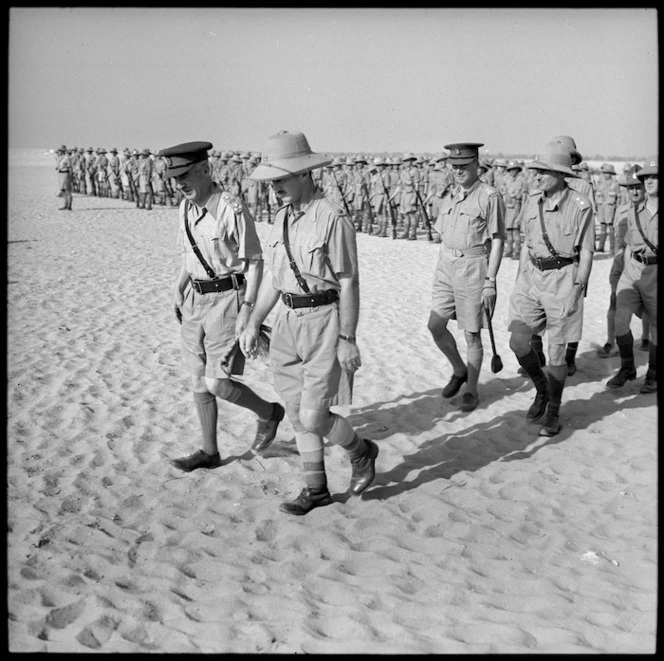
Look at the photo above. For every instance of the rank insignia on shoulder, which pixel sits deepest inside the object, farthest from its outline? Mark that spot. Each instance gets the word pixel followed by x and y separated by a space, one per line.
pixel 234 201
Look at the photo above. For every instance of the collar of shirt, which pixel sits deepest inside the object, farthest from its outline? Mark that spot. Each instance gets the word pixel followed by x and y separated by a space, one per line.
pixel 462 193
pixel 296 215
pixel 553 203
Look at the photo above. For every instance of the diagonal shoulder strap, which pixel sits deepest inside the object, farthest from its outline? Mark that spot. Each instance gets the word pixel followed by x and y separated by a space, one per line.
pixel 301 281
pixel 643 234
pixel 545 236
pixel 197 250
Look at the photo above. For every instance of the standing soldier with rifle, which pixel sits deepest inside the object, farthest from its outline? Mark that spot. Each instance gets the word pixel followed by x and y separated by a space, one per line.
pixel 378 197
pixel 102 173
pixel 361 207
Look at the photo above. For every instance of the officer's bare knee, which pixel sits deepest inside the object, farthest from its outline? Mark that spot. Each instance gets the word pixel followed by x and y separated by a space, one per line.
pixel 437 326
pixel 317 421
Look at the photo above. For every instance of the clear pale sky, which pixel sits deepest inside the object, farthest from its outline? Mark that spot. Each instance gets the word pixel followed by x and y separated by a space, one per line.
pixel 354 80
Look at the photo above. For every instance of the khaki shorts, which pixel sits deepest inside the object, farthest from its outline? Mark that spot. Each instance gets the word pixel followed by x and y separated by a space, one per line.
pixel 457 289
pixel 303 354
pixel 536 304
pixel 208 331
pixel 637 288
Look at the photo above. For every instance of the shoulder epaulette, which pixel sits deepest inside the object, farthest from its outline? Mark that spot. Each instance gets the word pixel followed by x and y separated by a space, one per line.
pixel 234 202
pixel 581 201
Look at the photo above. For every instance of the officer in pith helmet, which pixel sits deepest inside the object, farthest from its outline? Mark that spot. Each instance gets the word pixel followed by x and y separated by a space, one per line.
pixel 314 282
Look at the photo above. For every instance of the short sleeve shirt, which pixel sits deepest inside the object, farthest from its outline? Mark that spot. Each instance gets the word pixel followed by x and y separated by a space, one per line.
pixel 567 221
pixel 225 234
pixel 323 243
pixel 469 218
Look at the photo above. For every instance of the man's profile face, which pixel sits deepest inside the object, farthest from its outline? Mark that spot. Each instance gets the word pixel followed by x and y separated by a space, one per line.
pixel 651 183
pixel 549 181
pixel 289 188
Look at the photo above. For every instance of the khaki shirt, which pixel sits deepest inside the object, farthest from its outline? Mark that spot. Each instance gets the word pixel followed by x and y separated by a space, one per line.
pixel 323 243
pixel 226 236
pixel 649 225
pixel 568 222
pixel 470 218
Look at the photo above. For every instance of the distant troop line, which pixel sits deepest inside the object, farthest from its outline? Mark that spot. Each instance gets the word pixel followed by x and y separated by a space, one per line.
pixel 397 196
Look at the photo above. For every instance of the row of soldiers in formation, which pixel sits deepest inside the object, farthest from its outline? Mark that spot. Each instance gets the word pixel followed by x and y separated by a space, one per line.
pixel 384 195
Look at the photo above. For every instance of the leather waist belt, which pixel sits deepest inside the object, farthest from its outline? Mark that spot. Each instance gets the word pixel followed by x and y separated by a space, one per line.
pixel 310 300
pixel 63 171
pixel 232 281
pixel 648 260
pixel 547 263
pixel 470 252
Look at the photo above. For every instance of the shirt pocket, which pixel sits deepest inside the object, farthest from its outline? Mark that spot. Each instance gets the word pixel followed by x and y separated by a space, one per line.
pixel 310 255
pixel 213 240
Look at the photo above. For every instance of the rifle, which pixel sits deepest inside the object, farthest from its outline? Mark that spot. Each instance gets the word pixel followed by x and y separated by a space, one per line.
pixel 393 216
pixel 343 199
pixel 425 215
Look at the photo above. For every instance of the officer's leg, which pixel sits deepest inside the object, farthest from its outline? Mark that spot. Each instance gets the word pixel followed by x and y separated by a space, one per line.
pixel 269 414
pixel 206 409
pixel 521 345
pixel 337 431
pixel 557 374
pixel 516 250
pixel 474 358
pixel 447 344
pixel 625 342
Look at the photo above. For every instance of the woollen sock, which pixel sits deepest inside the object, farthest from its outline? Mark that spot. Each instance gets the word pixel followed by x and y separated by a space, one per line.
pixel 206 407
pixel 344 435
pixel 312 452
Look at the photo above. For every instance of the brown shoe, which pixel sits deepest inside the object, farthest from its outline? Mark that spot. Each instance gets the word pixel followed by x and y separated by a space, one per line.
pixel 650 384
pixel 306 501
pixel 551 425
pixel 624 375
pixel 469 401
pixel 605 351
pixel 199 459
pixel 267 430
pixel 538 407
pixel 363 469
pixel 454 385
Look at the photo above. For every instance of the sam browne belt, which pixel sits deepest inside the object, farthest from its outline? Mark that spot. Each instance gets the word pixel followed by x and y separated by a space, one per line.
pixel 310 300
pixel 547 263
pixel 648 260
pixel 232 281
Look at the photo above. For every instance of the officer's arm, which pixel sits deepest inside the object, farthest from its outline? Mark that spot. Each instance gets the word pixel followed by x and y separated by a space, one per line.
pixel 348 352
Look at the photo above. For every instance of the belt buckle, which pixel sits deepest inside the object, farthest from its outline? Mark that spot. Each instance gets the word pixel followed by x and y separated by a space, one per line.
pixel 288 299
pixel 196 286
pixel 234 280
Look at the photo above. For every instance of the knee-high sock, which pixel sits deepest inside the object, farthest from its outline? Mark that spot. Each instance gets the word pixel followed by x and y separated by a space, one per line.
pixel 474 358
pixel 626 348
pixel 532 367
pixel 570 352
pixel 652 361
pixel 206 407
pixel 557 374
pixel 310 447
pixel 246 398
pixel 344 435
pixel 538 346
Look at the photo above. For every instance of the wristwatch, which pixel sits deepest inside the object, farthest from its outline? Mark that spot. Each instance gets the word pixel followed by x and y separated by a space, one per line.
pixel 249 304
pixel 580 285
pixel 347 338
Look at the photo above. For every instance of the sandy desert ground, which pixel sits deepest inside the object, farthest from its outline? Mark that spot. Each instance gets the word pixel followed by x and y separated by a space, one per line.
pixel 478 536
